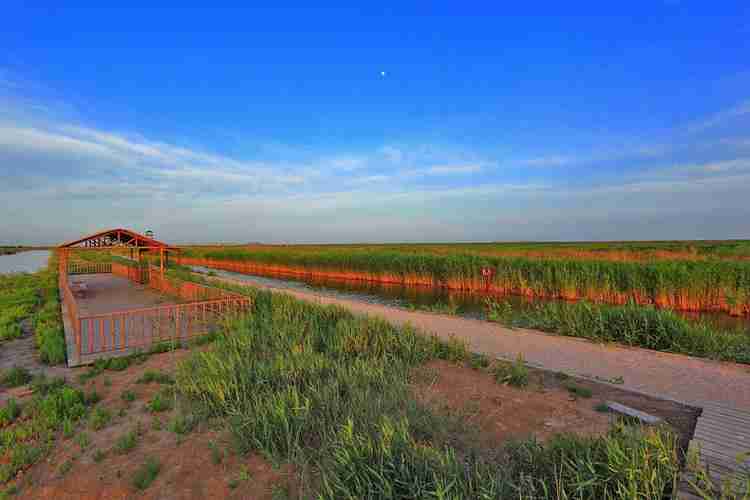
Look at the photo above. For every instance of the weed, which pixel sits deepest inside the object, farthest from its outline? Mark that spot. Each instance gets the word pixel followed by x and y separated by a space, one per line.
pixel 280 492
pixel 146 474
pixel 99 455
pixel 65 467
pixel 159 403
pixel 128 396
pixel 217 456
pixel 515 374
pixel 99 418
pixel 602 408
pixel 479 361
pixel 244 474
pixel 577 390
pixel 92 397
pixel 83 440
pixel 150 376
pixel 15 377
pixel 68 428
pixel 107 382
pixel 127 442
pixel 182 424
pixel 9 413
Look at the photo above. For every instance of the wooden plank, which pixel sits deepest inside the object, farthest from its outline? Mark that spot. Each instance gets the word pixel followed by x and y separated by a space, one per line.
pixel 731 436
pixel 632 412
pixel 740 419
pixel 724 428
pixel 726 441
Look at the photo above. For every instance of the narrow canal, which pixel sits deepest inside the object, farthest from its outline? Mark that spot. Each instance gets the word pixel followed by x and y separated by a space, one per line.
pixel 439 300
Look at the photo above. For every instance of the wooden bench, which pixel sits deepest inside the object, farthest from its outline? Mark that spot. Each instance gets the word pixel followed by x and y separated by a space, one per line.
pixel 79 289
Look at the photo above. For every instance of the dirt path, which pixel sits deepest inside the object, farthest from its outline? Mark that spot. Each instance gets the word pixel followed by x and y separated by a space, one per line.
pixel 672 376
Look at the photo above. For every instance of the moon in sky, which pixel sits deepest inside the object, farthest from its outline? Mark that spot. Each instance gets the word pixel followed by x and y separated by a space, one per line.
pixel 382 73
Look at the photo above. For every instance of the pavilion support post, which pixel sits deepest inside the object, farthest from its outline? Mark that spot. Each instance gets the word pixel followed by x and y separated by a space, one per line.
pixel 161 261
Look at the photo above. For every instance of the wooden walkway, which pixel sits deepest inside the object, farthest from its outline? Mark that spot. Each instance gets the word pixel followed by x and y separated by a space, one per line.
pixel 722 440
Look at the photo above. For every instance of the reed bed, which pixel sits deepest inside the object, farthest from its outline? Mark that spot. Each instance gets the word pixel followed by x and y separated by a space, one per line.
pixel 630 324
pixel 329 391
pixel 699 285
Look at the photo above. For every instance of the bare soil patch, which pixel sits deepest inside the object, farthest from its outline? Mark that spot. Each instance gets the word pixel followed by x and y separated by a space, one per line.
pixel 548 405
pixel 196 465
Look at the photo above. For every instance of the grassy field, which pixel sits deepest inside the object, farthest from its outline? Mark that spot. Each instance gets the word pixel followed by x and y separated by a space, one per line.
pixel 630 324
pixel 613 250
pixel 321 393
pixel 712 283
pixel 34 297
pixel 329 392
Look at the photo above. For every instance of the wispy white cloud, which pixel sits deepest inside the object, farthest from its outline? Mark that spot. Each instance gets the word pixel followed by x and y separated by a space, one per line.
pixel 721 118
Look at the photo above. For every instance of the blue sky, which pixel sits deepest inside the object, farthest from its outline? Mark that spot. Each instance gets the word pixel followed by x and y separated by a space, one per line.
pixel 584 122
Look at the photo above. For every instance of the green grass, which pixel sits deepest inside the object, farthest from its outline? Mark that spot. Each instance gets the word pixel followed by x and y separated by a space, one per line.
pixel 127 442
pixel 18 299
pixel 15 377
pixel 160 402
pixel 579 391
pixel 128 396
pixel 99 418
pixel 113 364
pixel 146 474
pixel 9 412
pixel 49 334
pixel 152 376
pixel 633 325
pixel 515 374
pixel 28 433
pixel 329 391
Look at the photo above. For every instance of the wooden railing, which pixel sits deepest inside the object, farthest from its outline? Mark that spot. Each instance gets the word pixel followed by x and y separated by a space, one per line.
pixel 139 328
pixel 79 267
pixel 133 273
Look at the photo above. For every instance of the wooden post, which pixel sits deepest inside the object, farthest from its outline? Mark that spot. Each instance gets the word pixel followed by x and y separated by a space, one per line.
pixel 161 261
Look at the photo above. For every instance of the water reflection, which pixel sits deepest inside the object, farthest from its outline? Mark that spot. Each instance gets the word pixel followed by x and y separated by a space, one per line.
pixel 470 305
pixel 24 262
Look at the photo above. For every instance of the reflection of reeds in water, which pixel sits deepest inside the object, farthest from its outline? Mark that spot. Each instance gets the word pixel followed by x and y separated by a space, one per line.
pixel 708 285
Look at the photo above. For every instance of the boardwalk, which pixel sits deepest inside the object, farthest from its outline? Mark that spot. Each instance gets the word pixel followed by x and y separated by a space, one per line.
pixel 722 390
